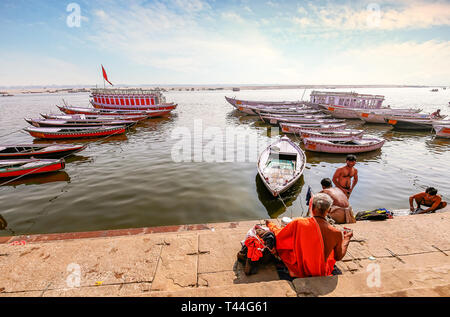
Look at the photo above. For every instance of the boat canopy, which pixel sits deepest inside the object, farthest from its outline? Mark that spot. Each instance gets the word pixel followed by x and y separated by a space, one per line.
pixel 347 99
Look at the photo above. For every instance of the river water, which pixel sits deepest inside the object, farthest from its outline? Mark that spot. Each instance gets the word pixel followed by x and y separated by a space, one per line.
pixel 186 168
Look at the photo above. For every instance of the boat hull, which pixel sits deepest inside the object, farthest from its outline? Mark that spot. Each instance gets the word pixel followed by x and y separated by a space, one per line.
pixel 94 133
pixel 275 190
pixel 442 131
pixel 325 146
pixel 41 151
pixel 298 128
pixel 42 166
pixel 333 135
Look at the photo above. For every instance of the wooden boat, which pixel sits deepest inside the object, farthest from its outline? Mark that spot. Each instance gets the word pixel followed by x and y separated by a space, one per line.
pixel 298 128
pixel 109 112
pixel 239 102
pixel 78 122
pixel 344 135
pixel 381 116
pixel 354 113
pixel 22 167
pixel 286 111
pixel 281 165
pixel 75 132
pixel 442 131
pixel 415 124
pixel 93 117
pixel 356 145
pixel 20 151
pixel 298 119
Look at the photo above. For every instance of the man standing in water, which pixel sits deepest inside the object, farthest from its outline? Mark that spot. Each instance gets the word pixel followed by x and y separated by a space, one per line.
pixel 343 176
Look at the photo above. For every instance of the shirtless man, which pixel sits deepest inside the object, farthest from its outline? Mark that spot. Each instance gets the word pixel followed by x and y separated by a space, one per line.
pixel 343 176
pixel 429 198
pixel 333 239
pixel 340 211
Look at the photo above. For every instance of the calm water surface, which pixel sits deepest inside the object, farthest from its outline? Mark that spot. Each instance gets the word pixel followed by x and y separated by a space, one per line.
pixel 133 181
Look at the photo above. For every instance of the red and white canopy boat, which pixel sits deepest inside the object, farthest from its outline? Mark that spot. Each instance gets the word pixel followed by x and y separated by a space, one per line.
pixel 344 135
pixel 22 167
pixel 298 128
pixel 356 145
pixel 442 130
pixel 78 122
pixel 93 117
pixel 109 112
pixel 21 151
pixel 75 132
pixel 280 165
pixel 129 99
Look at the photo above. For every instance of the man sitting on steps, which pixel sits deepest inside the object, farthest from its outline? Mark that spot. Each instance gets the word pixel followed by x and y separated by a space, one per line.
pixel 311 246
pixel 340 211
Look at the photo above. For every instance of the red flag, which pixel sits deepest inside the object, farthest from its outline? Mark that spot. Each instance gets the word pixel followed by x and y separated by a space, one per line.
pixel 105 76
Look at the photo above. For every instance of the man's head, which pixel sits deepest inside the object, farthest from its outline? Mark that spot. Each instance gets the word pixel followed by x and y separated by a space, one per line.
pixel 431 191
pixel 351 160
pixel 326 183
pixel 321 204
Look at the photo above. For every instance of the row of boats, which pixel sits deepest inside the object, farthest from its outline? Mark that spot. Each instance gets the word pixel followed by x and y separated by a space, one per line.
pixel 102 120
pixel 322 128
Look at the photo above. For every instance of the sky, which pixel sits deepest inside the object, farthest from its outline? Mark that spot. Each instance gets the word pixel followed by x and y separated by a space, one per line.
pixel 208 42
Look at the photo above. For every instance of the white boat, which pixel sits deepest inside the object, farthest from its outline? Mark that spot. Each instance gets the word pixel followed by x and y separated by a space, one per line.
pixel 299 119
pixel 280 165
pixel 442 131
pixel 381 116
pixel 356 145
pixel 299 128
pixel 344 135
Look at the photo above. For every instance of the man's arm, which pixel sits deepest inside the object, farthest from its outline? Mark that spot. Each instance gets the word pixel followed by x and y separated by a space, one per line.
pixel 411 202
pixel 342 244
pixel 355 180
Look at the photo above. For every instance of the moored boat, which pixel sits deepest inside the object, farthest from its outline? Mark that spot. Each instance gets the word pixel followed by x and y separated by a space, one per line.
pixel 109 112
pixel 442 130
pixel 280 165
pixel 78 122
pixel 346 134
pixel 93 117
pixel 298 128
pixel 380 117
pixel 239 102
pixel 415 124
pixel 129 98
pixel 356 145
pixel 23 167
pixel 298 119
pixel 20 151
pixel 75 132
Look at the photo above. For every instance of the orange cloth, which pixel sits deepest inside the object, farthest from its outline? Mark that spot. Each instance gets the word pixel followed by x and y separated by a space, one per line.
pixel 254 247
pixel 300 247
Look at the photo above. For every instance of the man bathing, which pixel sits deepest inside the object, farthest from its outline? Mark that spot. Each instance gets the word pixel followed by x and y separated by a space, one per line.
pixel 343 176
pixel 341 211
pixel 311 246
pixel 429 198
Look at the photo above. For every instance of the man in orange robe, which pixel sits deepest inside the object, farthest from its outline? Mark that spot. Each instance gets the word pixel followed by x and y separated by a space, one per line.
pixel 311 246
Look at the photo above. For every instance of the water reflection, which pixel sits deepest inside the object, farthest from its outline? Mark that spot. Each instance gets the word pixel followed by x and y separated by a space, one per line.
pixel 37 179
pixel 397 135
pixel 274 206
pixel 437 145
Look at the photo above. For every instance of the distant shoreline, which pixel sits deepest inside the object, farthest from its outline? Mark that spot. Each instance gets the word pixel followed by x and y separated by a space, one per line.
pixel 77 89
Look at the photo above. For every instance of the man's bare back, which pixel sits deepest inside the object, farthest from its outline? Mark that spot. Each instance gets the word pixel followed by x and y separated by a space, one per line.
pixel 332 239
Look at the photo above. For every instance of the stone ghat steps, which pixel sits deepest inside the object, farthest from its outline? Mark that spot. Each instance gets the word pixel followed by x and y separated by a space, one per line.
pixel 427 281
